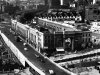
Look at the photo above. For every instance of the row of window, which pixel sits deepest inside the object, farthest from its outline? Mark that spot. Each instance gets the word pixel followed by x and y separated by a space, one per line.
pixel 53 26
pixel 86 40
pixel 86 35
pixel 56 27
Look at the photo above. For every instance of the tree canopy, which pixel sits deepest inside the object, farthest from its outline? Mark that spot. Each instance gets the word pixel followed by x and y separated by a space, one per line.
pixel 28 15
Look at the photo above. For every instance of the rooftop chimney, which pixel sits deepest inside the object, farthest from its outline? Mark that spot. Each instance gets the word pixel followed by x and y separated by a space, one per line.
pixel 61 2
pixel 94 1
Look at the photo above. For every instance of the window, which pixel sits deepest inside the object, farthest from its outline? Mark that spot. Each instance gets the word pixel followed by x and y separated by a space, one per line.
pixel 86 34
pixel 57 29
pixel 83 39
pixel 89 40
pixel 83 35
pixel 89 34
pixel 59 40
pixel 95 17
pixel 34 38
pixel 86 39
pixel 46 41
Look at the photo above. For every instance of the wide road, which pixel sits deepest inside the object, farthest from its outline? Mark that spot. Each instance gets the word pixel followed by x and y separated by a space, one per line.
pixel 40 62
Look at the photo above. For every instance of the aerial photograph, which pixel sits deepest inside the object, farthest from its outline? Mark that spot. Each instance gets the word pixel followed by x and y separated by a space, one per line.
pixel 49 37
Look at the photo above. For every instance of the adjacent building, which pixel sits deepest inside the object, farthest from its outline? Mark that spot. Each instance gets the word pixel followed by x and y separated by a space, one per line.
pixel 93 13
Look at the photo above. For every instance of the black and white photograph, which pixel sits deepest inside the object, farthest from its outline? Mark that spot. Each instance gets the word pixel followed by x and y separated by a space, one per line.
pixel 49 37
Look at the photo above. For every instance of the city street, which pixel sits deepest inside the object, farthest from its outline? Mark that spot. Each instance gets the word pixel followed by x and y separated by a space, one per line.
pixel 42 63
pixel 50 37
pixel 31 54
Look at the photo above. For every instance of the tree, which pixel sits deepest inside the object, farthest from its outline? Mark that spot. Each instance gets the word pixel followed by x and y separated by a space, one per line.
pixel 10 9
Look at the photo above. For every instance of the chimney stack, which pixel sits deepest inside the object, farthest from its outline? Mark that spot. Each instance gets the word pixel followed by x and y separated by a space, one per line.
pixel 61 2
pixel 94 1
